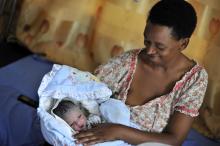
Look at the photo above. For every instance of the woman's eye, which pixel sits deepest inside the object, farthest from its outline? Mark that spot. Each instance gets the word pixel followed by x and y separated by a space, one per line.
pixel 80 116
pixel 161 48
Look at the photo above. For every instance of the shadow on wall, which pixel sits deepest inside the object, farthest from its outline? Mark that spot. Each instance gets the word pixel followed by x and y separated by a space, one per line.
pixel 82 38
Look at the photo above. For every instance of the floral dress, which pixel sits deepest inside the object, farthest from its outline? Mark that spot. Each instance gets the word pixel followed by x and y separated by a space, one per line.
pixel 186 96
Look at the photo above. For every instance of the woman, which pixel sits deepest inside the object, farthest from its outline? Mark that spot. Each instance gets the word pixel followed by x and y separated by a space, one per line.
pixel 162 87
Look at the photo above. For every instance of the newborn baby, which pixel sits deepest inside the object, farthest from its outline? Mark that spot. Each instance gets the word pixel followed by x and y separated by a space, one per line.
pixel 74 115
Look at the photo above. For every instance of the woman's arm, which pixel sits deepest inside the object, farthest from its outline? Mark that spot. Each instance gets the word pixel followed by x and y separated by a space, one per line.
pixel 175 133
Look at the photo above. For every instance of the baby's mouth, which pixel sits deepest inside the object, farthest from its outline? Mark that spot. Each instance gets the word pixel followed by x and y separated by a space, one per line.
pixel 82 127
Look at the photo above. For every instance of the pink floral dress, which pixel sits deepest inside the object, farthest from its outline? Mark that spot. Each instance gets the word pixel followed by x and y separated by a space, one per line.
pixel 186 96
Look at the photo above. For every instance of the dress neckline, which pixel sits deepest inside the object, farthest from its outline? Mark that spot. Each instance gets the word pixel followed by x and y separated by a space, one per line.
pixel 179 82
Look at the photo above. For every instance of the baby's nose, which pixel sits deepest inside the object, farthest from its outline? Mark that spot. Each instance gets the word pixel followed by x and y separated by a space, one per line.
pixel 80 124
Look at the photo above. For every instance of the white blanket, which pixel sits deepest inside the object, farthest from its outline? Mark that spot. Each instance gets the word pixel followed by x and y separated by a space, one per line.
pixel 64 81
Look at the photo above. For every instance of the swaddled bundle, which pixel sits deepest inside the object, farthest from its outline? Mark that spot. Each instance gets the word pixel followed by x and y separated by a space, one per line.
pixel 80 87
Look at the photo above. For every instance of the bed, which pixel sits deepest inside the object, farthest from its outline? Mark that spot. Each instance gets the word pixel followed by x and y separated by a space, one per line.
pixel 19 123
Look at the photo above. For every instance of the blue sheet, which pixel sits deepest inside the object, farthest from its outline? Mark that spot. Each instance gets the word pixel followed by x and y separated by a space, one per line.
pixel 25 74
pixel 19 124
pixel 194 138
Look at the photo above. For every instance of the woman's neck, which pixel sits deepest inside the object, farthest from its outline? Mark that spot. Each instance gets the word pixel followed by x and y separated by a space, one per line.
pixel 180 62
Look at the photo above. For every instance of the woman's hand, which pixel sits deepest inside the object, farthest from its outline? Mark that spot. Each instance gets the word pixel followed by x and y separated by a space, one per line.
pixel 99 133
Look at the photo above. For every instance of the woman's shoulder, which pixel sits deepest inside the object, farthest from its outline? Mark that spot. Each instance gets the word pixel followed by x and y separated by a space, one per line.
pixel 200 76
pixel 197 76
pixel 191 91
pixel 128 53
pixel 199 71
pixel 120 60
pixel 133 51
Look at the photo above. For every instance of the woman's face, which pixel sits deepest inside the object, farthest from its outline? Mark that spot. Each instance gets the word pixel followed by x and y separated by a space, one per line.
pixel 76 119
pixel 161 46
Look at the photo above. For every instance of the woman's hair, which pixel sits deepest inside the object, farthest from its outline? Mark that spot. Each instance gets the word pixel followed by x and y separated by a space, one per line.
pixel 176 14
pixel 65 106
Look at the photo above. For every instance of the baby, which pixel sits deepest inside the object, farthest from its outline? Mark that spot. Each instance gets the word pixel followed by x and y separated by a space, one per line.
pixel 75 115
pixel 66 85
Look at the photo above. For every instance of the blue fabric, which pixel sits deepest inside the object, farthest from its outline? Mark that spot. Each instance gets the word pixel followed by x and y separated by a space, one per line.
pixel 19 123
pixel 194 138
pixel 25 75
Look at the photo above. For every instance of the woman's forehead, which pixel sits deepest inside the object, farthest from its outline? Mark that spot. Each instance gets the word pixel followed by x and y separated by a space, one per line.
pixel 159 34
pixel 159 31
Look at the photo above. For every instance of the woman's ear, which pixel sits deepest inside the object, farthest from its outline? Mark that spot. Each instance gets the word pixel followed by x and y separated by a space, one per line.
pixel 184 43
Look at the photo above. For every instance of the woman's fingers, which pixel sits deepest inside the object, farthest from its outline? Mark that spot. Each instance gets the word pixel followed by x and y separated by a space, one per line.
pixel 92 142
pixel 83 134
pixel 88 139
pixel 99 133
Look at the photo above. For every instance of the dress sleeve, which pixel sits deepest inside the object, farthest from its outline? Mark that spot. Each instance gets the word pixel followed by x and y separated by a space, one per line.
pixel 113 72
pixel 192 94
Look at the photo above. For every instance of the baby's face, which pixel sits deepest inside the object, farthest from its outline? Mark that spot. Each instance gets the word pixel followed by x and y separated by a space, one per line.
pixel 76 119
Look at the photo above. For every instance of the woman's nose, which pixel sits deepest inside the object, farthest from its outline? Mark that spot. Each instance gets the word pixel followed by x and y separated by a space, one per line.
pixel 151 50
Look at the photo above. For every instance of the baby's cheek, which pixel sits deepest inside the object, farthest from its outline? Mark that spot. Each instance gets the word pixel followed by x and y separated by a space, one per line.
pixel 74 128
pixel 82 121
